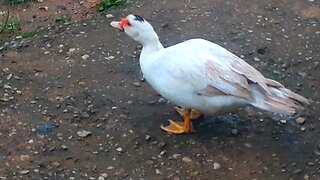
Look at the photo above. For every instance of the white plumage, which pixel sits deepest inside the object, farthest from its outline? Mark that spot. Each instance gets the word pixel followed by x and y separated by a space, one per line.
pixel 198 74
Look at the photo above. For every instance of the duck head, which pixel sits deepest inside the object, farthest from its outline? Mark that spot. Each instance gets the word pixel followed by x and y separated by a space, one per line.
pixel 137 28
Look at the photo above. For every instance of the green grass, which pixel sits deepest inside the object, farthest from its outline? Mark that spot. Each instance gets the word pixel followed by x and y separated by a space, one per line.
pixel 106 4
pixel 30 34
pixel 62 19
pixel 10 26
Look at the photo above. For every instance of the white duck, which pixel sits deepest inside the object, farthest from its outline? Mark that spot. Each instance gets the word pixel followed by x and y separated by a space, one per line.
pixel 201 76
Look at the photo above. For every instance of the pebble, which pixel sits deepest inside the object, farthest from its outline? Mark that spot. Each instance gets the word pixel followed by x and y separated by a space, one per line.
pixel 186 159
pixel 316 152
pixel 148 137
pixel 109 16
pixel 136 84
pixel 101 178
pixel 248 145
pixel 283 121
pixel 297 171
pixel 216 165
pixel 64 147
pixel 72 50
pixel 119 149
pixel 234 131
pixel 24 172
pixel 85 56
pixel 158 172
pixel 83 133
pixel 256 59
pixel 300 120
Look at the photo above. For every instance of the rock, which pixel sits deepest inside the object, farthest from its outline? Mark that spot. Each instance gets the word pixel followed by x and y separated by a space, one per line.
pixel 256 59
pixel 71 50
pixel 23 172
pixel 85 56
pixel 148 137
pixel 101 178
pixel 158 172
pixel 248 145
pixel 83 133
pixel 283 121
pixel 300 120
pixel 216 165
pixel 316 152
pixel 297 171
pixel 186 159
pixel 234 131
pixel 136 84
pixel 119 149
pixel 45 8
pixel 109 16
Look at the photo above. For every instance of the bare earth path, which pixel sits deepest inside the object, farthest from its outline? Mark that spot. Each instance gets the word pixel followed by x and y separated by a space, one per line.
pixel 73 106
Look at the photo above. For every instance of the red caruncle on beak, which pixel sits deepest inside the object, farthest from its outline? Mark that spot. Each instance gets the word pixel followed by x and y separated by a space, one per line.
pixel 124 22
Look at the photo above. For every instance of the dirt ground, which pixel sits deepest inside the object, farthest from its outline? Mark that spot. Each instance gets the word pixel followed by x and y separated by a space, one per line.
pixel 74 104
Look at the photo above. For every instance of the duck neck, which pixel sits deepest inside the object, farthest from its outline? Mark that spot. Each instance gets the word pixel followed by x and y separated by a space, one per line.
pixel 150 48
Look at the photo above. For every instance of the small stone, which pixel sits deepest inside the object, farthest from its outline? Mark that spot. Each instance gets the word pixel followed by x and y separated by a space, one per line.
pixel 119 149
pixel 46 52
pixel 162 100
pixel 83 133
pixel 56 164
pixel 45 8
pixel 109 16
pixel 40 1
pixel 7 86
pixel 9 76
pixel 101 178
pixel 85 56
pixel 186 159
pixel 297 171
pixel 64 147
pixel 136 84
pixel 300 120
pixel 158 172
pixel 283 121
pixel 72 50
pixel 216 165
pixel 248 145
pixel 316 152
pixel 110 167
pixel 234 131
pixel 148 137
pixel 5 70
pixel 105 175
pixel 24 172
pixel 175 156
pixel 256 59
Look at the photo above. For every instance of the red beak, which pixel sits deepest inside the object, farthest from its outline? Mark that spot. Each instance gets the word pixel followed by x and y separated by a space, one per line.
pixel 120 25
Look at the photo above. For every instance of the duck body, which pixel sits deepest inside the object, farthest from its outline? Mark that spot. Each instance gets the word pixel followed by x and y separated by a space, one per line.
pixel 177 73
pixel 201 75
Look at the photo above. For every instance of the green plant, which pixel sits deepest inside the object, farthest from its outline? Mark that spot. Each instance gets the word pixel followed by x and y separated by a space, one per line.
pixel 30 34
pixel 62 19
pixel 10 26
pixel 106 4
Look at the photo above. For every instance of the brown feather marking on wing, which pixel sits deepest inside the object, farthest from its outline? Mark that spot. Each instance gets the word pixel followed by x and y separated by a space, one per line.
pixel 237 81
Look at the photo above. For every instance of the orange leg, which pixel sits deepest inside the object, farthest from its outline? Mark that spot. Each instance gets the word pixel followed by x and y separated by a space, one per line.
pixel 194 114
pixel 180 127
